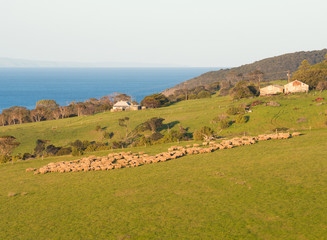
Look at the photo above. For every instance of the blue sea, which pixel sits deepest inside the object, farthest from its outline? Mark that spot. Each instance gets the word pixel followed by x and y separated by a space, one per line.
pixel 24 87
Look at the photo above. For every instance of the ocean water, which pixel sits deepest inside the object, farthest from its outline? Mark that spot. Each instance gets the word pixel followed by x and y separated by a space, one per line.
pixel 24 87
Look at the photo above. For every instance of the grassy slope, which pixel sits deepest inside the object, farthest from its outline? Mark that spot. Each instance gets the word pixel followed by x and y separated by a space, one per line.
pixel 192 114
pixel 195 197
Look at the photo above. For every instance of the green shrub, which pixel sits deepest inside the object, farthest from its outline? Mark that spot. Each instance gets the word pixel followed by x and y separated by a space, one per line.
pixel 77 144
pixel 180 97
pixel 102 147
pixel 142 141
pixel 202 133
pixel 27 156
pixel 5 158
pixel 52 150
pixel 116 144
pixel 91 148
pixel 192 96
pixel 98 128
pixel 241 119
pixel 64 151
pixel 108 135
pixel 77 151
pixel 219 118
pixel 235 110
pixel 204 94
pixel 172 136
pixel 156 136
pixel 224 123
pixel 213 87
pixel 155 100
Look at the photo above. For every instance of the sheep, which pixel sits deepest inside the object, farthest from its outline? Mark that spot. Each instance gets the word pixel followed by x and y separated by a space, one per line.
pixel 129 159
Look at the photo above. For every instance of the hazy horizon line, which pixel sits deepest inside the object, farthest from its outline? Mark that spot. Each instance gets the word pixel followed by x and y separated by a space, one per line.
pixel 8 62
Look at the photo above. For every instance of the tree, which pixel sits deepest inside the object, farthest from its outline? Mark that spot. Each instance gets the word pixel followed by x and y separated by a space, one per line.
pixel 21 114
pixel 48 104
pixel 155 100
pixel 15 115
pixel 78 108
pixel 90 108
pixel 66 111
pixel 311 74
pixel 56 113
pixel 305 65
pixel 3 118
pixel 153 124
pixel 243 89
pixel 38 114
pixel 256 76
pixel 105 103
pixel 7 144
pixel 10 116
pixel 40 147
pixel 124 122
pixel 116 97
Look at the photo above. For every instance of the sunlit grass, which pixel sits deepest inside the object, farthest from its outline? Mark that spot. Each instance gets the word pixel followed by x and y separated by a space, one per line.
pixel 191 114
pixel 270 190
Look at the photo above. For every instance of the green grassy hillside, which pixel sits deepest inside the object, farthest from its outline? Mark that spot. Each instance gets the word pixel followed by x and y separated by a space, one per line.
pixel 296 112
pixel 270 190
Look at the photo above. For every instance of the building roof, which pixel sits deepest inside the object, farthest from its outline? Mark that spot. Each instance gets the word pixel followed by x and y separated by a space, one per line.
pixel 295 82
pixel 122 104
pixel 278 86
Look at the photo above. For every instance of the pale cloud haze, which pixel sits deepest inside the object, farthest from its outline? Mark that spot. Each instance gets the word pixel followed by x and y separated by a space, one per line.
pixel 177 32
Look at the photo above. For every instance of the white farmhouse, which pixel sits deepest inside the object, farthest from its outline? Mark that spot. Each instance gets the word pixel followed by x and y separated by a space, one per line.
pixel 125 106
pixel 121 106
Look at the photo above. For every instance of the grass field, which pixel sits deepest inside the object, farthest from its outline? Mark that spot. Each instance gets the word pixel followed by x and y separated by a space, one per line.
pixel 192 114
pixel 270 190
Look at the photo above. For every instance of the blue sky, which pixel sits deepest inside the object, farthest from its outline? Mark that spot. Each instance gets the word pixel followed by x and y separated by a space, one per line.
pixel 203 33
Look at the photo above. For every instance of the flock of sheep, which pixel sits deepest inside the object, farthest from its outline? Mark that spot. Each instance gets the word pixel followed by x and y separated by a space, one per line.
pixel 129 159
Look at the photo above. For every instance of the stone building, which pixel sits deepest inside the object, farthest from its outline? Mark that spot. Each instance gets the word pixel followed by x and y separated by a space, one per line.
pixel 296 86
pixel 271 90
